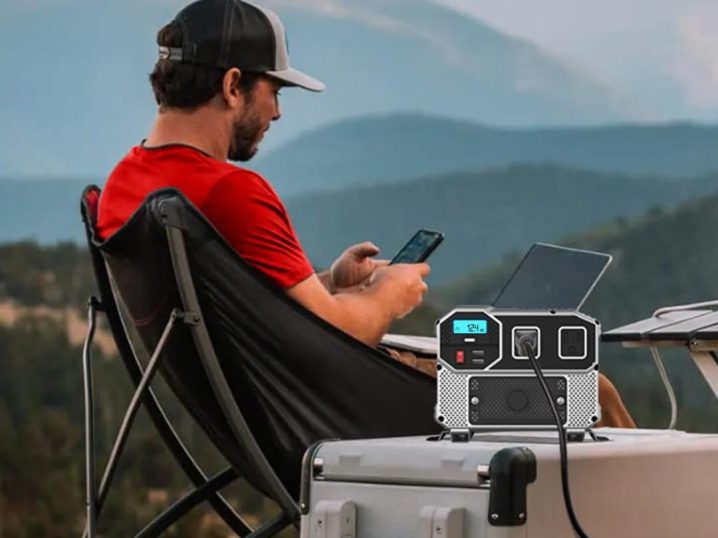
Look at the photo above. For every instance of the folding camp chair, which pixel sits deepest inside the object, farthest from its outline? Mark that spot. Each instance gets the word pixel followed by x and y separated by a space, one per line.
pixel 265 379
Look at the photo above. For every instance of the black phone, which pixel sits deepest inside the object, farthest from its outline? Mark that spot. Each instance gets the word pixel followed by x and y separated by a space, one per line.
pixel 419 247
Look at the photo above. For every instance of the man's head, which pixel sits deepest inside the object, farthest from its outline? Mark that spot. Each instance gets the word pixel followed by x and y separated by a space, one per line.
pixel 229 56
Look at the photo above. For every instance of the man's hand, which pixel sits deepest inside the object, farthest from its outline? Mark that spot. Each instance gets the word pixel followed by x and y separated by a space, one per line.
pixel 391 292
pixel 404 283
pixel 355 266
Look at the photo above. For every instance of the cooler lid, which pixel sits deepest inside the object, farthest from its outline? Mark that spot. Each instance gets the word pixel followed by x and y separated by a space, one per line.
pixel 418 461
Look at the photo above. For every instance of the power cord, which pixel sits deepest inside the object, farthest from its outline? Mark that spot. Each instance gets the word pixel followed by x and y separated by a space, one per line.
pixel 526 343
pixel 667 385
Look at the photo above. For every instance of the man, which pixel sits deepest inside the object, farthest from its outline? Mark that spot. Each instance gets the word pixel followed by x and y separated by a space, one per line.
pixel 222 64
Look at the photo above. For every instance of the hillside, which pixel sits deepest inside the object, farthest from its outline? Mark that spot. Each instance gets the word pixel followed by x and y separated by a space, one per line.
pixel 42 296
pixel 484 215
pixel 660 258
pixel 376 56
pixel 402 146
pixel 664 258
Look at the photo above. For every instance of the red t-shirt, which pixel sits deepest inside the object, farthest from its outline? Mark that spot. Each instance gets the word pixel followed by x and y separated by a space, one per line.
pixel 238 202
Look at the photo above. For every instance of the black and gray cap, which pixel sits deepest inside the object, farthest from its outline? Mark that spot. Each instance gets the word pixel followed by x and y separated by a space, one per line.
pixel 234 33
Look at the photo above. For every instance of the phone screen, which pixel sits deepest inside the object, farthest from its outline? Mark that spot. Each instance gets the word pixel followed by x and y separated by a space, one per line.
pixel 419 247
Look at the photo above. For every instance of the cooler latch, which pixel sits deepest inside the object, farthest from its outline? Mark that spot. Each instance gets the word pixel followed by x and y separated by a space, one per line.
pixel 441 522
pixel 511 470
pixel 334 519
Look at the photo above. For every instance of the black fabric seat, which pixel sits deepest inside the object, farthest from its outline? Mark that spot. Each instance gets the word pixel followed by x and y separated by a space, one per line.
pixel 294 378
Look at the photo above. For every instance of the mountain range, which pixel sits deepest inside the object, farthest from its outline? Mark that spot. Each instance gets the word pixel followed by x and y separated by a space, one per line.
pixel 470 181
pixel 484 215
pixel 400 146
pixel 78 95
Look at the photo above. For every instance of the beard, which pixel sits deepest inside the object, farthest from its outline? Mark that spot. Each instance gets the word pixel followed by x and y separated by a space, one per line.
pixel 246 132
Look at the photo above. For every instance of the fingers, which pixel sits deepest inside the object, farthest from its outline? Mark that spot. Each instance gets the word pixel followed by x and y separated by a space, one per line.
pixel 364 250
pixel 424 269
pixel 381 263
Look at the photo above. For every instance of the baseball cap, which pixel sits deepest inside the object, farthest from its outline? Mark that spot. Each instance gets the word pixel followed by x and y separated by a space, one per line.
pixel 235 33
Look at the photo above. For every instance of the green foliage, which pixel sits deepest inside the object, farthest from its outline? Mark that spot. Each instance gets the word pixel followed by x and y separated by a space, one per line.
pixel 56 276
pixel 40 414
pixel 41 425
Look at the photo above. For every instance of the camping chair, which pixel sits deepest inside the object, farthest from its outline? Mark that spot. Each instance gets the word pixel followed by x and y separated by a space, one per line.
pixel 265 379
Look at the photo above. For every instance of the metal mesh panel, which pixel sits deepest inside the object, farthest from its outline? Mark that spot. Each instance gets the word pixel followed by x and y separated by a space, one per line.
pixel 583 396
pixel 453 398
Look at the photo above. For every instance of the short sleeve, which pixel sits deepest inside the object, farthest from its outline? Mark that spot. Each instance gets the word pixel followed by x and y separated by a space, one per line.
pixel 251 217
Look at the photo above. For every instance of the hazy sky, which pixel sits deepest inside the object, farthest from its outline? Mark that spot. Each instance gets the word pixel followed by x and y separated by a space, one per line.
pixel 663 51
pixel 660 53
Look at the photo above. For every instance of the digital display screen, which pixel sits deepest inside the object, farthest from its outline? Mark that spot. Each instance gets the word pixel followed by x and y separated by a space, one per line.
pixel 470 326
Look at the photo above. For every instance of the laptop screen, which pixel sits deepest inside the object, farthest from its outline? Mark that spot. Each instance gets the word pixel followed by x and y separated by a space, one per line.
pixel 550 276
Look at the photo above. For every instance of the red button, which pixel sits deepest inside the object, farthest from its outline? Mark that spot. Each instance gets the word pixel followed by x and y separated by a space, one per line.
pixel 460 357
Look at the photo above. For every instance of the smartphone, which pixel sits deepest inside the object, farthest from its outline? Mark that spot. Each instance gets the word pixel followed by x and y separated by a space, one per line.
pixel 419 247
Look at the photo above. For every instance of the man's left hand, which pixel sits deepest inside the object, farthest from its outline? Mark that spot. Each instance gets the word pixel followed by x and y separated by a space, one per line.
pixel 355 266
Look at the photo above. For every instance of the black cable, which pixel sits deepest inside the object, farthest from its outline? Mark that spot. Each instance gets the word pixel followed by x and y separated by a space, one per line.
pixel 525 343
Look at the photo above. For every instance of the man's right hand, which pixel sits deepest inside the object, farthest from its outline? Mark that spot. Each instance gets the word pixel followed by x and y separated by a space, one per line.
pixel 367 312
pixel 404 284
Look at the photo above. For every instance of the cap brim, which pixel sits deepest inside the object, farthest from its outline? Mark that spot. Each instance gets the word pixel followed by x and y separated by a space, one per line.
pixel 292 77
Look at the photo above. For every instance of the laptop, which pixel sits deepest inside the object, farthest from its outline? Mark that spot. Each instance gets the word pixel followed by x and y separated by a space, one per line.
pixel 548 277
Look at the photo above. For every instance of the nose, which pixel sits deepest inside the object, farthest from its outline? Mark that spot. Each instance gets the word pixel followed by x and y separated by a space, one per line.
pixel 277 112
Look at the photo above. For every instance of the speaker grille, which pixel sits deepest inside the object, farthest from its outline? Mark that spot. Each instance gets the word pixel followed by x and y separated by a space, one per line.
pixel 509 400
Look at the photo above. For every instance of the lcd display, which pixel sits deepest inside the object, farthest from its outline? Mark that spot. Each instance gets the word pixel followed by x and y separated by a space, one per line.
pixel 470 326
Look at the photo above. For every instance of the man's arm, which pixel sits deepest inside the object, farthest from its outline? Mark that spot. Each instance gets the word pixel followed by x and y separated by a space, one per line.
pixel 325 277
pixel 366 314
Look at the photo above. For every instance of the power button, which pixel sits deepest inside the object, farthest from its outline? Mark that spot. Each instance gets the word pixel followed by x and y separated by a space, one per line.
pixel 460 356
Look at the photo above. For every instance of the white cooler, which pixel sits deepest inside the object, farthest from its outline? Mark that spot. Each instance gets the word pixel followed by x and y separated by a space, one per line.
pixel 507 485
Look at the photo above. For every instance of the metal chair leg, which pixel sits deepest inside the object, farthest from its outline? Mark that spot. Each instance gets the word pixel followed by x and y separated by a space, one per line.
pixel 162 522
pixel 96 502
pixel 90 492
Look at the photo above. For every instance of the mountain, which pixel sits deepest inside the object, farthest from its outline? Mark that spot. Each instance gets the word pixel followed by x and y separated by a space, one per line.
pixel 78 96
pixel 663 258
pixel 42 210
pixel 398 146
pixel 484 215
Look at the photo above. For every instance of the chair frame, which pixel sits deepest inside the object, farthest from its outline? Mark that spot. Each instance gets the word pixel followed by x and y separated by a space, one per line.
pixel 205 488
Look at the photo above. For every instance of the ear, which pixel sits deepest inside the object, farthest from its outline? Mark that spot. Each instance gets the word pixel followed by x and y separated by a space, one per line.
pixel 233 97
